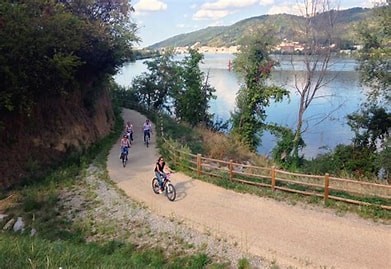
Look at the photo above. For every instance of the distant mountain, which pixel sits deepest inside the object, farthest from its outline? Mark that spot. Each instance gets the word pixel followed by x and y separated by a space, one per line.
pixel 288 27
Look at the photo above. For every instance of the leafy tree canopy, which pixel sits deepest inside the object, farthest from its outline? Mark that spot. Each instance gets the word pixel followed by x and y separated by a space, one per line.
pixel 50 47
pixel 375 57
pixel 179 87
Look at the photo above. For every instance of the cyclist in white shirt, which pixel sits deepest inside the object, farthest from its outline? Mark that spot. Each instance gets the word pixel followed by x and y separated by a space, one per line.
pixel 129 131
pixel 147 129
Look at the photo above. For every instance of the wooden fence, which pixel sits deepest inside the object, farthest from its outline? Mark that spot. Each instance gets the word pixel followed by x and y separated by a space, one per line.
pixel 326 187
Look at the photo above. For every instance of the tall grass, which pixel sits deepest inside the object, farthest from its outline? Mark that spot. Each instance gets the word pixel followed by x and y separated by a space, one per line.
pixel 18 251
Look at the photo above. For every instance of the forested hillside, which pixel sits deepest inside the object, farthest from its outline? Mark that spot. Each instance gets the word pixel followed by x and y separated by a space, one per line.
pixel 55 61
pixel 287 27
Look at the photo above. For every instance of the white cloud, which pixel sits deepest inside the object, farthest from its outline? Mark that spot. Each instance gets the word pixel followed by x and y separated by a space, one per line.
pixel 265 2
pixel 150 6
pixel 226 4
pixel 218 9
pixel 210 14
pixel 286 8
pixel 298 8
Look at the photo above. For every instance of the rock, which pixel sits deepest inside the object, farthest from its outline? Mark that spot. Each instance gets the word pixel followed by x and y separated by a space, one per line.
pixel 9 224
pixel 3 217
pixel 19 225
pixel 33 232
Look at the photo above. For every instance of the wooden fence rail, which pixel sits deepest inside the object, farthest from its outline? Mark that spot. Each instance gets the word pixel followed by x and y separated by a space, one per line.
pixel 326 187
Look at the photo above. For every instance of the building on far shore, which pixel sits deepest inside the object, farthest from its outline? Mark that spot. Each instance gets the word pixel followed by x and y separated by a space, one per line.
pixel 285 47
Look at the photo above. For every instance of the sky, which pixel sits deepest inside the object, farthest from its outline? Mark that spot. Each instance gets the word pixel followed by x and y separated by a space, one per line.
pixel 158 20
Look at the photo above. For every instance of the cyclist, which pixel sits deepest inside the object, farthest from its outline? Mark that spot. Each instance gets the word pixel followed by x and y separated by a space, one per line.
pixel 129 131
pixel 147 129
pixel 160 171
pixel 125 145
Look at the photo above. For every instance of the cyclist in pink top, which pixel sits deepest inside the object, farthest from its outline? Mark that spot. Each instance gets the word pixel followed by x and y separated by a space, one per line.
pixel 125 145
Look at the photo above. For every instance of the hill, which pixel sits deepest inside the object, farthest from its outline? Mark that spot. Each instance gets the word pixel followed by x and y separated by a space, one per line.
pixel 287 27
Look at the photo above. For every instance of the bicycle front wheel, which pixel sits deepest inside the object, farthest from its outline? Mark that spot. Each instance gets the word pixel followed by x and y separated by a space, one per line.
pixel 155 185
pixel 170 192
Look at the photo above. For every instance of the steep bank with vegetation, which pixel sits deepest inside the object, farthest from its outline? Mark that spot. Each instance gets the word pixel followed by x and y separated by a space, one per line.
pixel 52 131
pixel 55 64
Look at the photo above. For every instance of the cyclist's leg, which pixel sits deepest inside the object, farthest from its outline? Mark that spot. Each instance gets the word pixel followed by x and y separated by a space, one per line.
pixel 145 135
pixel 159 178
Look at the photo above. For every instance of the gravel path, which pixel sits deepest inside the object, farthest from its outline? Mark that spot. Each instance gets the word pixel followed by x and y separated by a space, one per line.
pixel 293 236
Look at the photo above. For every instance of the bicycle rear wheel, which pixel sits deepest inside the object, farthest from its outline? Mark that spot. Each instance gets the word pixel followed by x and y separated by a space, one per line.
pixel 170 192
pixel 123 159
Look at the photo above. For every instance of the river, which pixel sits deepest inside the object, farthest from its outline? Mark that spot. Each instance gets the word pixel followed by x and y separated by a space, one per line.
pixel 325 119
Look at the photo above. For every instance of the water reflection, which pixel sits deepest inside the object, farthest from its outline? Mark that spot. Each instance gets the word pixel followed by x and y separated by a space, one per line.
pixel 341 96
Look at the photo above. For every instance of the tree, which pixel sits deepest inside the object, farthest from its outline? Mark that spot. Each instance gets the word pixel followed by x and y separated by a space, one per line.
pixel 318 30
pixel 178 87
pixel 162 79
pixel 254 65
pixel 372 127
pixel 375 56
pixel 192 99
pixel 49 48
pixel 372 124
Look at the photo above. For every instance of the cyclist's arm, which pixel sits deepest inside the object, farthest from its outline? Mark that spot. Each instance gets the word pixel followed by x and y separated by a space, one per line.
pixel 167 169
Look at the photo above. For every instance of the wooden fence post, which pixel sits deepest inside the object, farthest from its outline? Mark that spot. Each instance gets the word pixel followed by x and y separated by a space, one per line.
pixel 199 164
pixel 273 174
pixel 231 168
pixel 326 187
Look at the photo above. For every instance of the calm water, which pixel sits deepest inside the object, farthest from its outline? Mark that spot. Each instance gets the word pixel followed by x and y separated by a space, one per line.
pixel 340 97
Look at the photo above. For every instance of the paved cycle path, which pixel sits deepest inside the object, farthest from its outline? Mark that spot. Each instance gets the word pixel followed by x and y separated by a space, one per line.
pixel 290 235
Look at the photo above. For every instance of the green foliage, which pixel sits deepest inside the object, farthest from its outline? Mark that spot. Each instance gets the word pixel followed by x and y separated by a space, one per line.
pixel 244 264
pixel 285 145
pixel 49 48
pixel 176 87
pixel 371 126
pixel 153 88
pixel 254 64
pixel 192 100
pixel 183 134
pixel 382 161
pixel 375 57
pixel 345 160
pixel 26 252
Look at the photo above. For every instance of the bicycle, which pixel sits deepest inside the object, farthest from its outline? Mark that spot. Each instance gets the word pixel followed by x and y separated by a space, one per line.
pixel 168 187
pixel 124 156
pixel 147 137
